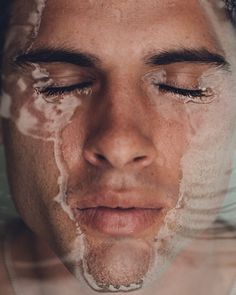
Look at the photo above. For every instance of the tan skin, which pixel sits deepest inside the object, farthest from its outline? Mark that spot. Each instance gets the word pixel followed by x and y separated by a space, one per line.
pixel 127 144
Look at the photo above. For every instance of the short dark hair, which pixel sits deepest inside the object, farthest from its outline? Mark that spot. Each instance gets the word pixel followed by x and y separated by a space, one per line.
pixel 231 10
pixel 4 19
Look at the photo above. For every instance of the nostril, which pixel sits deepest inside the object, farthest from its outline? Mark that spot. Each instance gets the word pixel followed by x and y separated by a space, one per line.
pixel 142 161
pixel 94 157
pixel 140 158
pixel 100 157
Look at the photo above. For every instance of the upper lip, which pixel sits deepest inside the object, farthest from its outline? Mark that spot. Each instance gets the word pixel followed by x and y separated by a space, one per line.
pixel 114 199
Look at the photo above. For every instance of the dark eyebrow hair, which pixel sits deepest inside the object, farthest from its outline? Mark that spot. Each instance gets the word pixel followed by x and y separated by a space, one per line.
pixel 50 55
pixel 187 55
pixel 64 55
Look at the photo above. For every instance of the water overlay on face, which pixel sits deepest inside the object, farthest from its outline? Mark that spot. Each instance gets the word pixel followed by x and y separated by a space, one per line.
pixel 204 178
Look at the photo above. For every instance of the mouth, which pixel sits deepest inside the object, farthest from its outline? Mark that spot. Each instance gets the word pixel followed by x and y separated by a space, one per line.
pixel 119 213
pixel 118 221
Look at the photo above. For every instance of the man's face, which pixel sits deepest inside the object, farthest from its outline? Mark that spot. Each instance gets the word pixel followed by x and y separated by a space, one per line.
pixel 118 118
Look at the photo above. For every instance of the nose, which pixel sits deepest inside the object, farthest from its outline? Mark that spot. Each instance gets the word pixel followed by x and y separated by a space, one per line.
pixel 119 149
pixel 119 144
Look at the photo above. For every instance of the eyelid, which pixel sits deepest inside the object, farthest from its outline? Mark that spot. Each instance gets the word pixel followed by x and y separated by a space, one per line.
pixel 51 82
pixel 40 74
pixel 157 83
pixel 179 73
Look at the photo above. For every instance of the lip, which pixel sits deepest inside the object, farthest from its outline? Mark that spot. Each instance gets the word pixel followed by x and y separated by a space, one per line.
pixel 142 198
pixel 118 221
pixel 118 213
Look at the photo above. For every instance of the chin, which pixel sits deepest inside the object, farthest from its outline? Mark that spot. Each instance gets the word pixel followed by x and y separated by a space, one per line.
pixel 127 263
pixel 114 265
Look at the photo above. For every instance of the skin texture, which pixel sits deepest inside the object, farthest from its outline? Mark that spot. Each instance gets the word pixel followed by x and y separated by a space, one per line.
pixel 117 141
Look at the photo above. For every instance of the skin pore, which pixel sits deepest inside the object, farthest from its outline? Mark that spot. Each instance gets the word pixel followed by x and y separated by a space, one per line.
pixel 106 108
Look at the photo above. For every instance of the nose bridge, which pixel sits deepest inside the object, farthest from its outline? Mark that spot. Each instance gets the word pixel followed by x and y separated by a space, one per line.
pixel 121 109
pixel 123 95
pixel 121 112
pixel 118 137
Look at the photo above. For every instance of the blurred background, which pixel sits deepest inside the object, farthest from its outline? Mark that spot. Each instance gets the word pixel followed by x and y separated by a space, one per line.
pixel 6 206
pixel 228 211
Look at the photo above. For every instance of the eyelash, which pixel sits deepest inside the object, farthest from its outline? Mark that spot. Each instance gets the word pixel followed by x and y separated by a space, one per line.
pixel 198 93
pixel 55 91
pixel 85 88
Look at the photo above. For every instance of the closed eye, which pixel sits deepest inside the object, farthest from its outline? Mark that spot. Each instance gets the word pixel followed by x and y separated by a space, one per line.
pixel 182 91
pixel 60 90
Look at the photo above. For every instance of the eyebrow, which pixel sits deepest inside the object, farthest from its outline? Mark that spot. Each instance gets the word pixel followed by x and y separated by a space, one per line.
pixel 65 55
pixel 60 55
pixel 202 55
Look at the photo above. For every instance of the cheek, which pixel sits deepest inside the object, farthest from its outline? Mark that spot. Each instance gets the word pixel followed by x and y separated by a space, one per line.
pixel 74 138
pixel 33 180
pixel 37 115
pixel 31 162
pixel 34 116
pixel 171 135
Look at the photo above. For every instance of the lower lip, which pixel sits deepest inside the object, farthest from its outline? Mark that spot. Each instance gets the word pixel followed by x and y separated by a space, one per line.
pixel 118 221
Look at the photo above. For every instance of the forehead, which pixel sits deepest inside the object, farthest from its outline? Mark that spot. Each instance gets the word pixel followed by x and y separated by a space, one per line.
pixel 90 20
pixel 129 10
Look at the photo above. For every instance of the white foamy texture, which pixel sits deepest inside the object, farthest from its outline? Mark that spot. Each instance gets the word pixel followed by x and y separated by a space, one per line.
pixel 225 31
pixel 203 184
pixel 36 16
pixel 63 177
pixel 55 123
pixel 39 73
pixel 27 123
pixel 92 282
pixel 27 32
pixel 78 254
pixel 5 105
pixel 21 84
pixel 13 35
pixel 220 3
pixel 57 115
pixel 154 77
